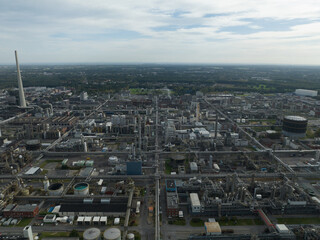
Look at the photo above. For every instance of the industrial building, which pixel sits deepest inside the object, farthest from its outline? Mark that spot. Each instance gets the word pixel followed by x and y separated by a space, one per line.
pixel 22 211
pixel 306 92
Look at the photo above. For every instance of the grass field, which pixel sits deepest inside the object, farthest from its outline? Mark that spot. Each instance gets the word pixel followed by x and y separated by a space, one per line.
pixel 196 222
pixel 24 222
pixel 54 234
pixel 180 222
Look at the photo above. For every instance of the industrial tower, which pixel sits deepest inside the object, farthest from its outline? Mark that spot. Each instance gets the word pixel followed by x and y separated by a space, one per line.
pixel 21 92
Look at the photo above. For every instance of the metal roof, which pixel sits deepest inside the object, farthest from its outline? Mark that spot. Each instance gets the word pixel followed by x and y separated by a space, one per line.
pixel 32 170
pixel 94 207
pixel 295 118
pixel 194 199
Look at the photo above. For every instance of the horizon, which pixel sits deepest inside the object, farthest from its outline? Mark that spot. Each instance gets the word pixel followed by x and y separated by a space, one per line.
pixel 155 63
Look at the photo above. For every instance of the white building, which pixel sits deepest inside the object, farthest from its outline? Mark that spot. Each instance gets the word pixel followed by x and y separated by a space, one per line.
pixel 193 167
pixel 84 96
pixel 195 203
pixel 281 228
pixel 306 92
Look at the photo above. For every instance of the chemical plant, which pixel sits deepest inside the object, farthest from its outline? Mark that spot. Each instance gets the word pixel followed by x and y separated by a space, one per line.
pixel 164 166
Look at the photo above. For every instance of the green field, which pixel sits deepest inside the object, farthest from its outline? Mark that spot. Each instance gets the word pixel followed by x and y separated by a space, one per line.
pixel 54 234
pixel 24 222
pixel 180 222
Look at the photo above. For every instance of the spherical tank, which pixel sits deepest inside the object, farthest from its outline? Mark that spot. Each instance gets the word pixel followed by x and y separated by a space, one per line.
pixel 112 234
pixel 55 189
pixel 81 188
pixel 92 234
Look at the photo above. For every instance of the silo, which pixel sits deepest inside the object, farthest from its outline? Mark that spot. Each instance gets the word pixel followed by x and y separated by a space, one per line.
pixel 130 236
pixel 92 234
pixel 56 189
pixel 81 188
pixel 112 234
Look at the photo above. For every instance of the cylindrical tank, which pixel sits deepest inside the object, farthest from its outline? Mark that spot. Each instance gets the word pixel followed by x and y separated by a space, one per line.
pixel 130 236
pixel 112 234
pixel 113 160
pixel 56 189
pixel 294 126
pixel 33 145
pixel 81 188
pixel 92 234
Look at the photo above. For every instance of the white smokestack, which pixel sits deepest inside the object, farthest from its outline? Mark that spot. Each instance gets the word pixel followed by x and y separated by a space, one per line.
pixel 21 92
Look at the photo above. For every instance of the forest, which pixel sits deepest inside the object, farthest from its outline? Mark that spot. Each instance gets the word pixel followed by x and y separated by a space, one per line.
pixel 181 79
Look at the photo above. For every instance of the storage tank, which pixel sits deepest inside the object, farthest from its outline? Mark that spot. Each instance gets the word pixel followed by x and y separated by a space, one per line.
pixel 130 236
pixel 56 189
pixel 33 145
pixel 92 234
pixel 294 126
pixel 113 160
pixel 112 234
pixel 81 188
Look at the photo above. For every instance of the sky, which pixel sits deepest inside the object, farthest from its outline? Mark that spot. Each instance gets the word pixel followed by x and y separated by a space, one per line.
pixel 166 31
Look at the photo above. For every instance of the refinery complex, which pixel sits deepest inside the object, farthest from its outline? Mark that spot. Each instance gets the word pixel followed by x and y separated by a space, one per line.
pixel 129 166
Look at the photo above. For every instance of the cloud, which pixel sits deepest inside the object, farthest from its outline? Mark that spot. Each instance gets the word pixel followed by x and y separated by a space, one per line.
pixel 203 31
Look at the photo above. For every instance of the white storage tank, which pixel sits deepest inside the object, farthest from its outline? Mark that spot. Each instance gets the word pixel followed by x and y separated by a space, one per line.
pixel 56 189
pixel 92 234
pixel 81 188
pixel 130 236
pixel 113 160
pixel 112 234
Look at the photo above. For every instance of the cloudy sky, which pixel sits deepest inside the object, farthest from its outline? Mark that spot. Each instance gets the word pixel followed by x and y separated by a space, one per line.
pixel 164 31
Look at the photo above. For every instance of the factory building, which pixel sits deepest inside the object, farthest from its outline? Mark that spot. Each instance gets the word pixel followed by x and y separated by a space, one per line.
pixel 134 168
pixel 195 203
pixel 24 211
pixel 172 198
pixel 93 208
pixel 172 204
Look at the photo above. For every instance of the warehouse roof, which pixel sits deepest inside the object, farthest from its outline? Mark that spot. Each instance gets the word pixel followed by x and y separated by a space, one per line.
pixel 94 207
pixel 194 199
pixel 32 170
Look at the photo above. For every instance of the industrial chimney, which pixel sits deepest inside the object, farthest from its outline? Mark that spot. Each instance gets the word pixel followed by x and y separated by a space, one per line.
pixel 21 92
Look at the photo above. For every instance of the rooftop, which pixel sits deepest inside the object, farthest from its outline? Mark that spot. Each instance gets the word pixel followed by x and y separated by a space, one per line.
pixel 212 227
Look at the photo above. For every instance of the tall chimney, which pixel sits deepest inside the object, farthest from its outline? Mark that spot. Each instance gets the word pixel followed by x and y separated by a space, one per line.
pixel 21 92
